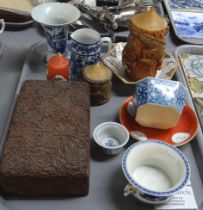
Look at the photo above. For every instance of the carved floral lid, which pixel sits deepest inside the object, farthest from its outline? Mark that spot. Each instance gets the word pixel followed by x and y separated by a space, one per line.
pixel 97 72
pixel 149 21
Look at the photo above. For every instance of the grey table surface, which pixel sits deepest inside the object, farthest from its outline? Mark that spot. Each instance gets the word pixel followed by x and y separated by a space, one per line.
pixel 106 179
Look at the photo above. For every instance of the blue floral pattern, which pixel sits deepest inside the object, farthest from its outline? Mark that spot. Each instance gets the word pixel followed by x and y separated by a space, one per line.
pixel 159 91
pixel 111 143
pixel 85 49
pixel 57 38
pixel 79 62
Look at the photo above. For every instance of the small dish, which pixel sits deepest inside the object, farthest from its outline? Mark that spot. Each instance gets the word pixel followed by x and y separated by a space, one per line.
pixel 155 171
pixel 110 137
pixel 15 18
pixel 114 62
pixel 186 5
pixel 192 69
pixel 186 22
pixel 191 74
pixel 184 131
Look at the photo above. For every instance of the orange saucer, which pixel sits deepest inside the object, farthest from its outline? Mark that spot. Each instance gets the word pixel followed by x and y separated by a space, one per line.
pixel 184 131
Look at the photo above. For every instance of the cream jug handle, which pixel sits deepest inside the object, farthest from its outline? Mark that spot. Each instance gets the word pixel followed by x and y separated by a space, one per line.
pixel 107 40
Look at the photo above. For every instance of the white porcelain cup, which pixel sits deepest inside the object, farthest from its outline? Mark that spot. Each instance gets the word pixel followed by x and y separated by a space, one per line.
pixel 55 18
pixel 2 25
pixel 111 137
pixel 155 171
pixel 85 50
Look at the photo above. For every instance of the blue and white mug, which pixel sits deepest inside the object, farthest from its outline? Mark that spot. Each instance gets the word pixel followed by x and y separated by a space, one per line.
pixel 85 49
pixel 79 62
pixel 158 103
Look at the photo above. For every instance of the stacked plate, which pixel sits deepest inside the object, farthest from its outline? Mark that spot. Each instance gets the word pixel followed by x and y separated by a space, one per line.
pixel 17 13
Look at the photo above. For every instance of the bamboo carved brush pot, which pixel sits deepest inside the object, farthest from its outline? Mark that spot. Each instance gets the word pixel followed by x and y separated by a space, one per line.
pixel 145 49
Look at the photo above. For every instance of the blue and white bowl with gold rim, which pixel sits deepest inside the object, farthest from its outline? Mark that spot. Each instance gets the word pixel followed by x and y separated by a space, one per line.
pixel 155 171
pixel 110 137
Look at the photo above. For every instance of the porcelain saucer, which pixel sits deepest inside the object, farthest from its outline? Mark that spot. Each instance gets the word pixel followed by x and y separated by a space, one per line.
pixel 184 131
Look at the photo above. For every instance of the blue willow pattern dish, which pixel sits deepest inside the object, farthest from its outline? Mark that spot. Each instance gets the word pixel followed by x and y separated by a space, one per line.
pixel 159 91
pixel 188 24
pixel 177 4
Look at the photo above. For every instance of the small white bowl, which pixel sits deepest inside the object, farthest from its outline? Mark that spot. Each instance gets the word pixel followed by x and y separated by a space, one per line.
pixel 155 171
pixel 111 137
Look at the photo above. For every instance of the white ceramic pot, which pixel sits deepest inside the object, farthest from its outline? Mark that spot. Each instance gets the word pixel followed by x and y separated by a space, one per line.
pixel 155 171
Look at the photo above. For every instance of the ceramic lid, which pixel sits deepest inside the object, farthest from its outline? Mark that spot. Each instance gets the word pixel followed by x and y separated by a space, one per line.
pixel 97 72
pixel 149 21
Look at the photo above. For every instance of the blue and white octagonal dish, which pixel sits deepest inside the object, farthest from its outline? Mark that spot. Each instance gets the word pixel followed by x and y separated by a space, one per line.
pixel 159 102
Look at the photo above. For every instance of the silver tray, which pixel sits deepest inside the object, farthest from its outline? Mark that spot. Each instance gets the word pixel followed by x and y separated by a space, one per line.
pixel 196 40
pixel 106 178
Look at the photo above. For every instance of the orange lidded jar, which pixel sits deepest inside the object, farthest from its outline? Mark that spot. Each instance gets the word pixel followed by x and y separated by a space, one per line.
pixel 58 66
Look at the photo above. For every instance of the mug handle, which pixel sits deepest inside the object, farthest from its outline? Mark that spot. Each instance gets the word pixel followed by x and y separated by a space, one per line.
pixel 107 40
pixel 2 25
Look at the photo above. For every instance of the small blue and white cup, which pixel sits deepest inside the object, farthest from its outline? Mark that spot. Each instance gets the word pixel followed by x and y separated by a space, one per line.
pixel 110 137
pixel 55 18
pixel 155 171
pixel 85 50
pixel 158 103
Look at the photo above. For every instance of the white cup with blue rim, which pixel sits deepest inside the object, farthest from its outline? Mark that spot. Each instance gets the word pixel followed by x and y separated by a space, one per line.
pixel 110 137
pixel 55 18
pixel 155 171
pixel 85 50
pixel 157 103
